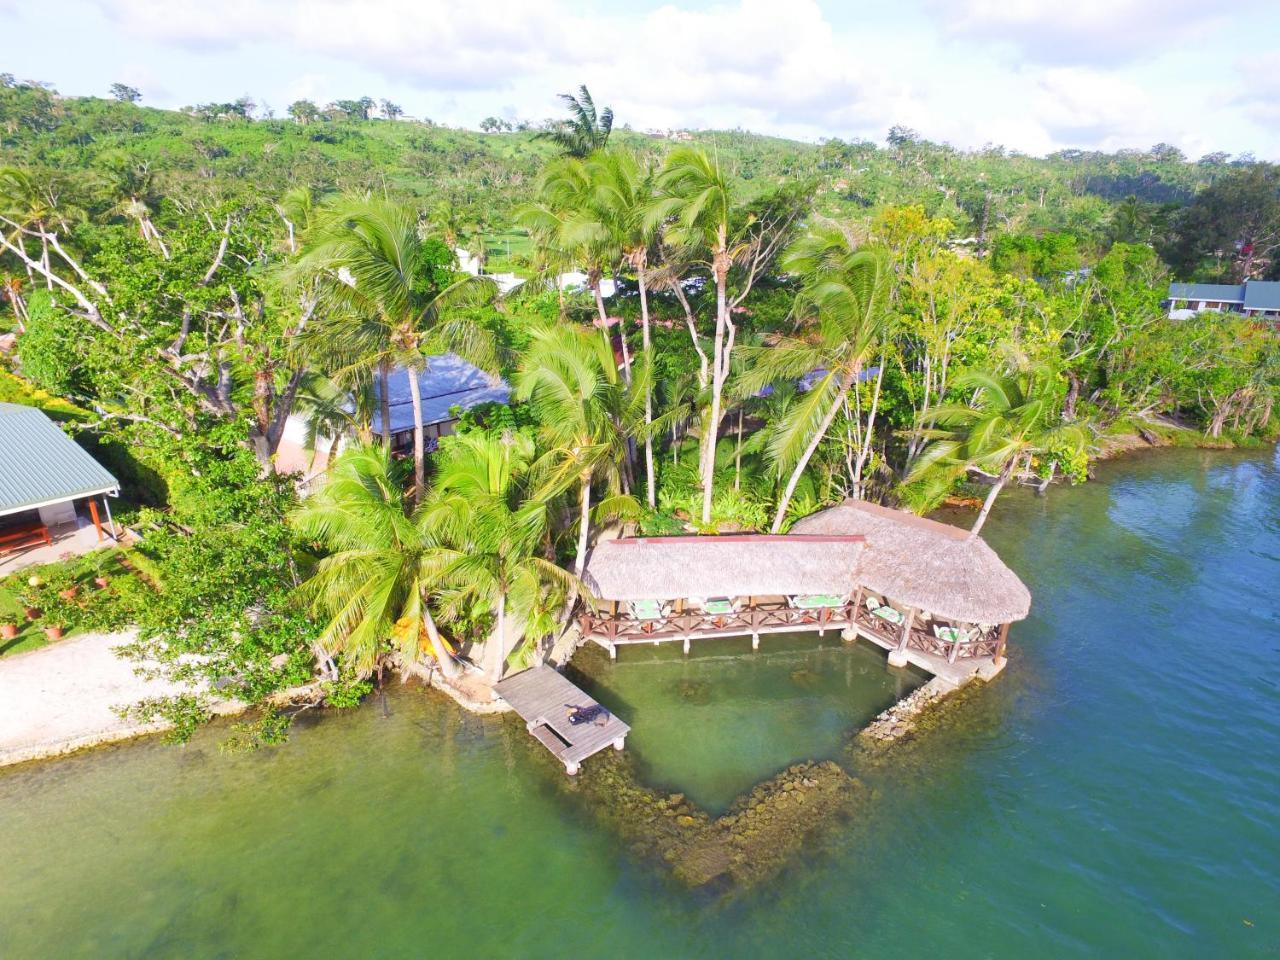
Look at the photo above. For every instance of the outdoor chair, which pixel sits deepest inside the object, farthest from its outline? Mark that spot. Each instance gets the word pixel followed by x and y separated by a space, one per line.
pixel 953 634
pixel 652 614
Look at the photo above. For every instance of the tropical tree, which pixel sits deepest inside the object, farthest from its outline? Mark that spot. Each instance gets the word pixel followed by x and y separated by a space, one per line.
pixel 586 129
pixel 395 301
pixel 491 508
pixel 696 210
pixel 567 220
pixel 582 406
pixel 843 312
pixel 374 589
pixel 1011 418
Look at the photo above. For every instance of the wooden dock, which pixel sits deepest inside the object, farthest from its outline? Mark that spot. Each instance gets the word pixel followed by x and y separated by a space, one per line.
pixel 545 699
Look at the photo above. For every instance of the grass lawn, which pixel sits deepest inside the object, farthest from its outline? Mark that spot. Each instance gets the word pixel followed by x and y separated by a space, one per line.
pixel 508 252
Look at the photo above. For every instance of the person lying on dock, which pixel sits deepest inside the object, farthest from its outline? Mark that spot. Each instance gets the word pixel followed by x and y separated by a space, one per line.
pixel 595 713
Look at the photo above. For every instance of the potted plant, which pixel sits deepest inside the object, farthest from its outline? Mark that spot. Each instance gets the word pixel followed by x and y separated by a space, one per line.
pixel 69 593
pixel 98 561
pixel 53 631
pixel 8 630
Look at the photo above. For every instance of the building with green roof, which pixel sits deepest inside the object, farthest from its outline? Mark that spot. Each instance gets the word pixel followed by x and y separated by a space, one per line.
pixel 46 478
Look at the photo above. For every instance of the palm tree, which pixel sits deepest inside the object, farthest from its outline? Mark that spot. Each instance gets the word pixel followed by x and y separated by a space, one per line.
pixel 492 510
pixel 384 564
pixel 695 205
pixel 585 131
pixel 622 192
pixel 843 306
pixel 376 273
pixel 1012 417
pixel 582 407
pixel 566 219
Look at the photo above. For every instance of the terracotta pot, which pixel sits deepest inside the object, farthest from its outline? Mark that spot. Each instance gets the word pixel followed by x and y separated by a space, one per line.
pixel 101 582
pixel 8 630
pixel 69 593
pixel 33 613
pixel 53 633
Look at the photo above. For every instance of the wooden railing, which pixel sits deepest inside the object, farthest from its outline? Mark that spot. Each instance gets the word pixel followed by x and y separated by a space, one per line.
pixel 748 620
pixel 773 618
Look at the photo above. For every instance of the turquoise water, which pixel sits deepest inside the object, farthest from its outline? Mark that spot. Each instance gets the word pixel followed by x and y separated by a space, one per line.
pixel 1115 793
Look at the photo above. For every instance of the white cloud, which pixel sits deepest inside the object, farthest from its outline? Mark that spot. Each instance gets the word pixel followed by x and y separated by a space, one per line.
pixel 753 62
pixel 1088 31
pixel 1078 105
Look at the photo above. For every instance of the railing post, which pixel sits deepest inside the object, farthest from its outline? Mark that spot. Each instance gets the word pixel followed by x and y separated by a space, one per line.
pixel 1000 643
pixel 898 657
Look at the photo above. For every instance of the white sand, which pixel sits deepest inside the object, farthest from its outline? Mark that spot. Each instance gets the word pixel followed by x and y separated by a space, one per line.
pixel 59 698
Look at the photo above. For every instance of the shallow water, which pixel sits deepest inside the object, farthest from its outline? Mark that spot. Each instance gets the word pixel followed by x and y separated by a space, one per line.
pixel 1114 793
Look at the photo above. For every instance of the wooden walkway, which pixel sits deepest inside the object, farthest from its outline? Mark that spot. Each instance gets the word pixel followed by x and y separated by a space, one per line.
pixel 544 699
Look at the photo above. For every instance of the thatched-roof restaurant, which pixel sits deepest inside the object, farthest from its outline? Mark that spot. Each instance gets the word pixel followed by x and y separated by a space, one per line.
pixel 928 592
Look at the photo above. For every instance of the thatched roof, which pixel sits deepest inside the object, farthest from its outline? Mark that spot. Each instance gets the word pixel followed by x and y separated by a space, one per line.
pixel 925 564
pixel 664 568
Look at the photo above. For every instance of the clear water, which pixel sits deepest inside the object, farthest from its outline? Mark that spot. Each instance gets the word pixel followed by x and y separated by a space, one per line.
pixel 1115 793
pixel 714 724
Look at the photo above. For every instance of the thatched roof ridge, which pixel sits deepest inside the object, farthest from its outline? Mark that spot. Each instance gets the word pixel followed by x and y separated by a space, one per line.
pixel 926 564
pixel 664 568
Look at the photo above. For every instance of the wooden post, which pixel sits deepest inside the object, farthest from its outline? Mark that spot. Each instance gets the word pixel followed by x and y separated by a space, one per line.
pixel 898 656
pixel 755 641
pixel 962 630
pixel 686 645
pixel 906 628
pixel 97 522
pixel 679 605
pixel 1000 644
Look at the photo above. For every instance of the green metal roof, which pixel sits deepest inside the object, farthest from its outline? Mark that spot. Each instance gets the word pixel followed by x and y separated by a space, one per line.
pixel 39 464
pixel 1227 292
pixel 1261 295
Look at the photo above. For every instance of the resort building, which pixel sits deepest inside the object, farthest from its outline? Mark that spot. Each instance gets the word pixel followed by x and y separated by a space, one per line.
pixel 52 493
pixel 1254 298
pixel 447 384
pixel 927 592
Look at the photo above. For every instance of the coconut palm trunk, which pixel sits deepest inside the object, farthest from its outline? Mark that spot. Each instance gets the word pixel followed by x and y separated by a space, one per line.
pixel 604 324
pixel 584 524
pixel 651 488
pixel 719 369
pixel 794 480
pixel 419 454
pixel 994 492
pixel 448 666
pixel 500 639
pixel 384 401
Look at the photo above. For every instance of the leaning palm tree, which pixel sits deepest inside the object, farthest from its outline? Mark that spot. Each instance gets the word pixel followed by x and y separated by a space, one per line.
pixel 585 131
pixel 375 273
pixel 582 406
pixel 375 587
pixel 843 310
pixel 493 512
pixel 1011 418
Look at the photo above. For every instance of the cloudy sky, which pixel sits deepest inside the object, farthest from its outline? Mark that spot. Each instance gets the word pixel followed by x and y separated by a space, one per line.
pixel 1035 75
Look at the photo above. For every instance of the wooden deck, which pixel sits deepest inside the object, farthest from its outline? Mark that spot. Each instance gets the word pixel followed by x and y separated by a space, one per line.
pixel 544 699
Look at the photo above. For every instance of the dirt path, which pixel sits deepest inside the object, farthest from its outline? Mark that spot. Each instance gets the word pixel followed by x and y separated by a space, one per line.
pixel 60 698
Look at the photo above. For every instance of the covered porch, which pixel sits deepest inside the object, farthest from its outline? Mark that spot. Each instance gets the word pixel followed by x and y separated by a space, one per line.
pixel 53 495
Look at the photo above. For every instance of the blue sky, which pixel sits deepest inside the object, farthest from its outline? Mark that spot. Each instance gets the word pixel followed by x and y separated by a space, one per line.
pixel 1029 74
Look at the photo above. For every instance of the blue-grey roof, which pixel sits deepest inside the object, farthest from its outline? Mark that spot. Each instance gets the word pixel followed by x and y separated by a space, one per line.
pixel 1228 292
pixel 1261 295
pixel 40 464
pixel 447 381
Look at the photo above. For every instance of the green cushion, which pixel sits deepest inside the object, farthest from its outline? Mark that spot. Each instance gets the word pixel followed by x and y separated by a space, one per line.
pixel 718 606
pixel 888 613
pixel 817 600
